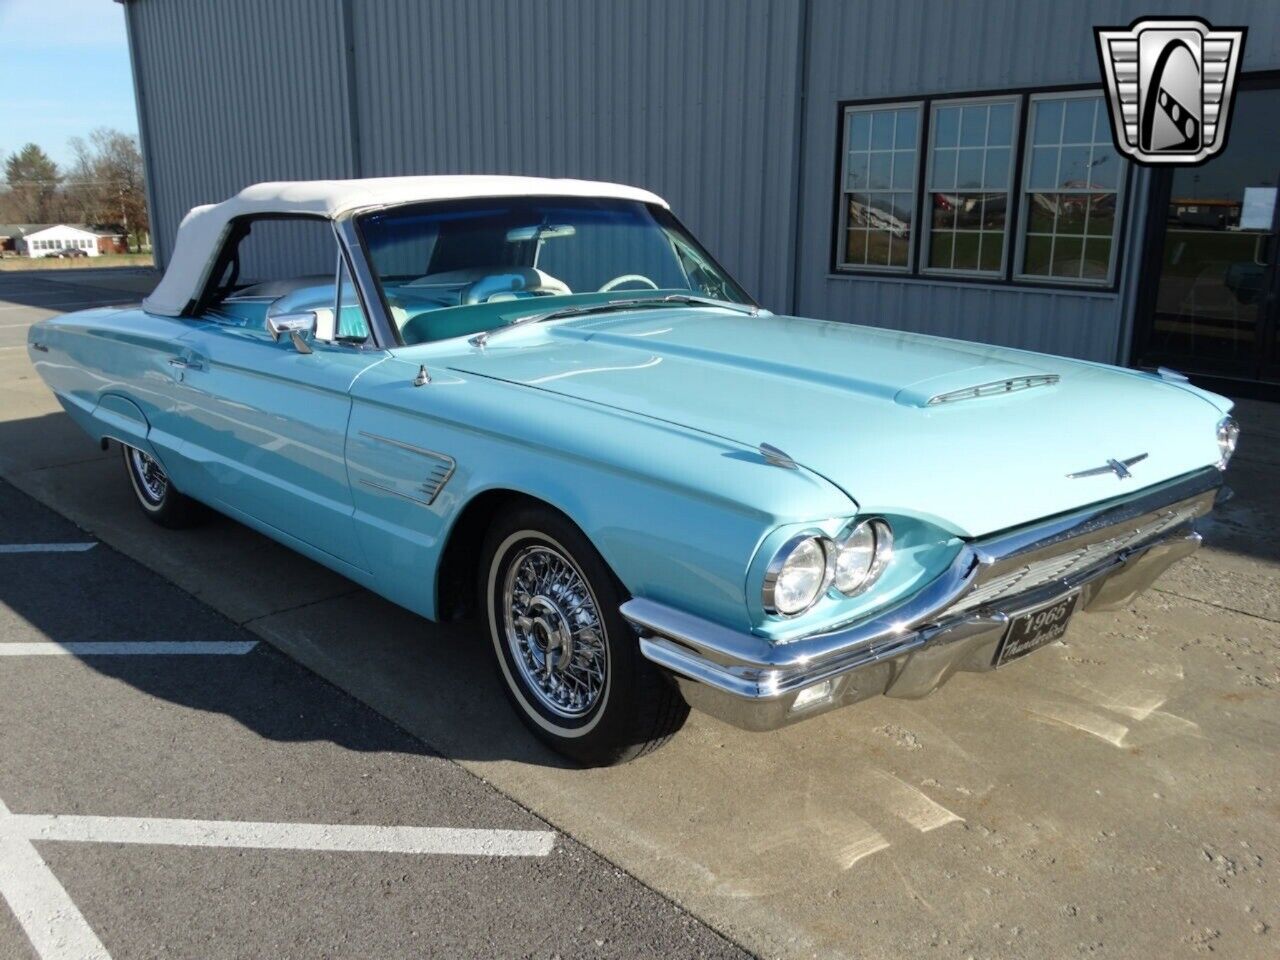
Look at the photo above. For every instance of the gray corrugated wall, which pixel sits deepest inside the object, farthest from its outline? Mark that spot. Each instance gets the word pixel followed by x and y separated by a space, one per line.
pixel 683 98
pixel 906 48
pixel 236 91
pixel 693 99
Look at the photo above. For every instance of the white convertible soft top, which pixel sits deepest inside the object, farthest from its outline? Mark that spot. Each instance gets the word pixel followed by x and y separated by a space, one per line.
pixel 202 231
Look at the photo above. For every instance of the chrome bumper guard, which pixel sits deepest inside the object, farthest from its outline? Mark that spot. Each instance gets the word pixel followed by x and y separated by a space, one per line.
pixel 1109 553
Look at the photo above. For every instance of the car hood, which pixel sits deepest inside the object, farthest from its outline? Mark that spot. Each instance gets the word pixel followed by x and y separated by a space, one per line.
pixel 852 404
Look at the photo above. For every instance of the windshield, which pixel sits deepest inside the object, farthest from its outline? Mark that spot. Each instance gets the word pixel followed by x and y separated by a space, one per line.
pixel 464 267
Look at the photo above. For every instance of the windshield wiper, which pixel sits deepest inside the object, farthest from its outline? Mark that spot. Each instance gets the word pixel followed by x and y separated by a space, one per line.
pixel 691 300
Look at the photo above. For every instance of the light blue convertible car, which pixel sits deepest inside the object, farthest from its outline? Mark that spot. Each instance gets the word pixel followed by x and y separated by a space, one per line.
pixel 542 401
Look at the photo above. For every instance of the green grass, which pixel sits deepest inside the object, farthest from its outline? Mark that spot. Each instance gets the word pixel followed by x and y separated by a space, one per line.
pixel 78 263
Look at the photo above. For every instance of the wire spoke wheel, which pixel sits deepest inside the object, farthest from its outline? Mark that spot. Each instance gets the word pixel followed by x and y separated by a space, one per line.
pixel 554 632
pixel 160 500
pixel 151 481
pixel 568 660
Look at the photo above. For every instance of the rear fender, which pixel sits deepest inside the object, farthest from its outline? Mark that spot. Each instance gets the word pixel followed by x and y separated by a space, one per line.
pixel 119 418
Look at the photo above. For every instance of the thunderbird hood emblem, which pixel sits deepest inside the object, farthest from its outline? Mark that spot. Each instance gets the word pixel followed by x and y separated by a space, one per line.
pixel 1119 467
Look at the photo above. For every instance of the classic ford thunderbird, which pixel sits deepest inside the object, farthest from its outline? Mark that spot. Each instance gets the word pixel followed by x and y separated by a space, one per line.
pixel 545 403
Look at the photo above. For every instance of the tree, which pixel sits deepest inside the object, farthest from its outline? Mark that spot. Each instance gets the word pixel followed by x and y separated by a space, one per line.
pixel 106 183
pixel 33 183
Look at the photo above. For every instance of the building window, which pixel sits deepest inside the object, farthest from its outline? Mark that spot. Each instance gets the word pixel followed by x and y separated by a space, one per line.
pixel 1071 191
pixel 968 185
pixel 1016 187
pixel 878 186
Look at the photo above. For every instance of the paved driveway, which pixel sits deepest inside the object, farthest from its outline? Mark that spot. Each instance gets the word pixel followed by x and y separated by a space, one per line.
pixel 1115 795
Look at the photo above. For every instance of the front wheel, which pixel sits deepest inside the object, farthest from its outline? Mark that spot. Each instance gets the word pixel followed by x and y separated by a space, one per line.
pixel 159 499
pixel 568 660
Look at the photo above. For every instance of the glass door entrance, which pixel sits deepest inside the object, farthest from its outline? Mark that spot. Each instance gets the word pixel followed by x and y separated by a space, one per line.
pixel 1212 307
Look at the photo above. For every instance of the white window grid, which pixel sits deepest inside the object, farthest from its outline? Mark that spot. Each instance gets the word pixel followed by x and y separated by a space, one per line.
pixel 904 172
pixel 1098 145
pixel 934 183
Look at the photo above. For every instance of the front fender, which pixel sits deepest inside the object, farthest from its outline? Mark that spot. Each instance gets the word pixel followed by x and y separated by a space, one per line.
pixel 677 514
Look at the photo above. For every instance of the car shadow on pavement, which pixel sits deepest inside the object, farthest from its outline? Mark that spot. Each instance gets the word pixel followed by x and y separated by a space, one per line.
pixel 434 682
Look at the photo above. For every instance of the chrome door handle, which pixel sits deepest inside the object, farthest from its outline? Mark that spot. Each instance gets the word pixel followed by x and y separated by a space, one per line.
pixel 183 364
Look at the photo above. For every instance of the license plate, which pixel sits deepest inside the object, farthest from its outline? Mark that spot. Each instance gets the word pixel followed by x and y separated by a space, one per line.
pixel 1036 628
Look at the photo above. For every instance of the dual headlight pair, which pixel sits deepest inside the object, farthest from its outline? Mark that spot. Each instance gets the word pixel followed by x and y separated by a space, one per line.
pixel 808 565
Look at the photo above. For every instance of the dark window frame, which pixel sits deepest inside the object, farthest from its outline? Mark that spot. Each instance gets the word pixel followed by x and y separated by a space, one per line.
pixel 1009 277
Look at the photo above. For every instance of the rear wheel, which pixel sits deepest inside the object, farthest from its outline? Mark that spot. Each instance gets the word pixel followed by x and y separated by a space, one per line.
pixel 159 499
pixel 567 658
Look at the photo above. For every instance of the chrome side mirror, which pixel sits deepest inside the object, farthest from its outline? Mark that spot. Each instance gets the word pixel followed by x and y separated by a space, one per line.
pixel 296 326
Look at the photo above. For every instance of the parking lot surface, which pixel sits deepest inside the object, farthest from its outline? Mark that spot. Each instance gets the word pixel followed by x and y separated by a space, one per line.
pixel 170 785
pixel 1113 795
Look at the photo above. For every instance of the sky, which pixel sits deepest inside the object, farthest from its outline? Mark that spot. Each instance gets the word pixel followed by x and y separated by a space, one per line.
pixel 66 67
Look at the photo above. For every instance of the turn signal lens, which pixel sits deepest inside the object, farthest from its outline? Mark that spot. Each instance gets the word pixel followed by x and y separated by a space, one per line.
pixel 861 554
pixel 797 576
pixel 1228 437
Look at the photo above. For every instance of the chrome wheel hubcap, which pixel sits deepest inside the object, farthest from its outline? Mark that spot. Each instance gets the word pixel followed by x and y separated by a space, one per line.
pixel 553 630
pixel 151 480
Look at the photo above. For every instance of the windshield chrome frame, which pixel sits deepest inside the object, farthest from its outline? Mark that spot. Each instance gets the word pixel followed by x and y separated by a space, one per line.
pixel 385 332
pixel 381 327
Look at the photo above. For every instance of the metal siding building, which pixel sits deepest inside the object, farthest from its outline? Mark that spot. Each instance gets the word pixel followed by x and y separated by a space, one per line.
pixel 731 109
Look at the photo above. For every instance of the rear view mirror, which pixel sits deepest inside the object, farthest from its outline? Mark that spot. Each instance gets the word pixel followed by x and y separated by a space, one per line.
pixel 541 231
pixel 297 326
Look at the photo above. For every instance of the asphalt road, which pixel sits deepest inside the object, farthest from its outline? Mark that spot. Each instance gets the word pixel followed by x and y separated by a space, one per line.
pixel 1115 795
pixel 134 740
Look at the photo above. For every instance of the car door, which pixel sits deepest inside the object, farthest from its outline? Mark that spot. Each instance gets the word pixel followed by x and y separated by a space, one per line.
pixel 266 422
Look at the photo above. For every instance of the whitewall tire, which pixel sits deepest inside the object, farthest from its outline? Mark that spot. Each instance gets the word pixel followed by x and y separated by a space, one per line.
pixel 159 499
pixel 569 662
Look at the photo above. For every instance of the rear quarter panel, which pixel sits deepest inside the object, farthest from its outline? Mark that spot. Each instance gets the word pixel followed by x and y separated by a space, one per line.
pixel 109 368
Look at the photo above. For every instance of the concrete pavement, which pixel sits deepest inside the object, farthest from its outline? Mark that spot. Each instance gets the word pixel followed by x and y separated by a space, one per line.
pixel 1115 795
pixel 193 792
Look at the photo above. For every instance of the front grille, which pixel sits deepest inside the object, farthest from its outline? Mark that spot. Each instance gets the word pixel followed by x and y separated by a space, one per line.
pixel 1072 560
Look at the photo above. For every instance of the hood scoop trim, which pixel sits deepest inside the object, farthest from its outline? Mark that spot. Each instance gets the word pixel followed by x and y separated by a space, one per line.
pixel 994 388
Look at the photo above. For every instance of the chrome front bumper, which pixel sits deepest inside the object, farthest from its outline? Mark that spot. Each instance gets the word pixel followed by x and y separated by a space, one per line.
pixel 1109 553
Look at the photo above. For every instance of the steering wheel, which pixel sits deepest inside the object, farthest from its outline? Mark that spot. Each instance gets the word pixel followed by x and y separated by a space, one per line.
pixel 627 278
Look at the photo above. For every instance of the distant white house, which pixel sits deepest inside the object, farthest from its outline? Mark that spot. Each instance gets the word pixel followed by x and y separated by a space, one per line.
pixel 62 236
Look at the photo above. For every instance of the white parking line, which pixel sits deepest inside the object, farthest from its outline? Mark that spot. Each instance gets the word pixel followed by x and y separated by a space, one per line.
pixel 342 838
pixel 46 547
pixel 58 930
pixel 129 648
pixel 52 921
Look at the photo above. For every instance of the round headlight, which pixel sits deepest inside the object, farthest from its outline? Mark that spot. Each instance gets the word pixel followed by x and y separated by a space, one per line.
pixel 797 576
pixel 862 553
pixel 1228 437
